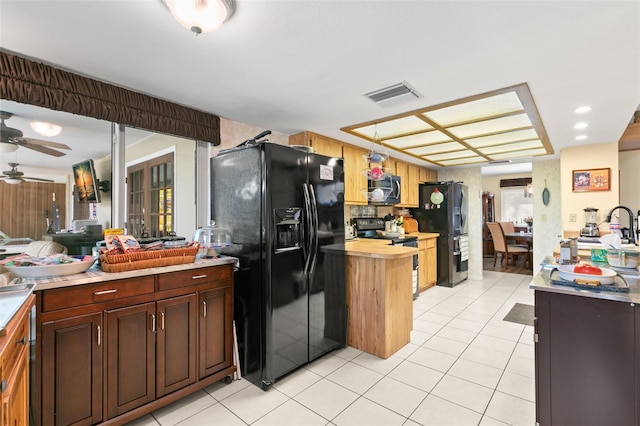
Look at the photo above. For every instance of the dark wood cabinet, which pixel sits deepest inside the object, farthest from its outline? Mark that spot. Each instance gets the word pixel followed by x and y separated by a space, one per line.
pixel 72 370
pixel 586 360
pixel 115 350
pixel 488 215
pixel 216 326
pixel 176 343
pixel 131 354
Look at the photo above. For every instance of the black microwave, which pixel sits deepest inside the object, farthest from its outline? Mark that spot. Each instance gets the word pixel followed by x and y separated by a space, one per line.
pixel 391 186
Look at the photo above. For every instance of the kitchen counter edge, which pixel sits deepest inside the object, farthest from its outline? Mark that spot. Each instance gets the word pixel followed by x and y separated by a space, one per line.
pixel 541 282
pixel 96 275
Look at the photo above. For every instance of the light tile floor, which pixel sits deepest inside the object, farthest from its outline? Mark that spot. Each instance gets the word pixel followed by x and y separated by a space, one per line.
pixel 463 366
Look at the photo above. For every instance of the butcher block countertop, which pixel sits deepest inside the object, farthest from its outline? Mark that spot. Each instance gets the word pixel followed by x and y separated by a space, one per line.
pixel 380 248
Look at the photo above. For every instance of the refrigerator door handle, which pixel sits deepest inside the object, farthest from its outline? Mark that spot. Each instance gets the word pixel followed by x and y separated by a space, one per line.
pixel 316 240
pixel 308 235
pixel 397 183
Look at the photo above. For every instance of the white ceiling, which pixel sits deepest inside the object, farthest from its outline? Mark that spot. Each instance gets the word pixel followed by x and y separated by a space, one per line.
pixel 290 66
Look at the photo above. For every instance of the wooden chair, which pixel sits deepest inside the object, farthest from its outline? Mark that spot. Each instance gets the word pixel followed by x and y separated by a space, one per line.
pixel 510 228
pixel 500 246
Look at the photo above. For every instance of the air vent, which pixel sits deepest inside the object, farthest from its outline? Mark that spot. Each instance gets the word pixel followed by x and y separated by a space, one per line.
pixel 393 95
pixel 499 161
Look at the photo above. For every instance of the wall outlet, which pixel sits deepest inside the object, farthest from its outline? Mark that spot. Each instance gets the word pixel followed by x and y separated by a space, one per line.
pixel 572 217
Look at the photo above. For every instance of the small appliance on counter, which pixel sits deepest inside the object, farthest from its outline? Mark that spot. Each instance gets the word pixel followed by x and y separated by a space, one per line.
pixel 590 228
pixel 370 227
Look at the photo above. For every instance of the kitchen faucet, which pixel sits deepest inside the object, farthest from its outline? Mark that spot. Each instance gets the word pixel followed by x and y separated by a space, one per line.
pixel 632 235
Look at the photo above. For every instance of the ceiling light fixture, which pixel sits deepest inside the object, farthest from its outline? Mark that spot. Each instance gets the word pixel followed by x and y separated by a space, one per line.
pixel 581 125
pixel 582 109
pixel 7 147
pixel 45 129
pixel 581 137
pixel 201 16
pixel 13 181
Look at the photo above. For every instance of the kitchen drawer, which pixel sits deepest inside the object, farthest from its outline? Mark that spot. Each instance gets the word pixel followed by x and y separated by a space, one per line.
pixel 86 294
pixel 193 277
pixel 431 242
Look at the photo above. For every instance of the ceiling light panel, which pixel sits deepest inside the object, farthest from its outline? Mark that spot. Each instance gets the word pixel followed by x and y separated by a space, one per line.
pixel 436 148
pixel 519 154
pixel 501 138
pixel 493 106
pixel 462 161
pixel 392 128
pixel 497 125
pixel 511 147
pixel 427 138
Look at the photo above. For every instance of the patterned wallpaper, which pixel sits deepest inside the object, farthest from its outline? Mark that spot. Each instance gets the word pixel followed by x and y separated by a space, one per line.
pixel 547 220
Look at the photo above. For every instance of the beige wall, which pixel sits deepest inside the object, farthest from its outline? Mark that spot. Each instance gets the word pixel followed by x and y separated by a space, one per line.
pixel 547 220
pixel 596 156
pixel 233 133
pixel 492 184
pixel 630 179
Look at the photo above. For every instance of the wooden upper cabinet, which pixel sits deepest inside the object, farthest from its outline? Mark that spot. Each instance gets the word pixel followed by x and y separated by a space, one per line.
pixel 413 172
pixel 354 179
pixel 427 175
pixel 321 144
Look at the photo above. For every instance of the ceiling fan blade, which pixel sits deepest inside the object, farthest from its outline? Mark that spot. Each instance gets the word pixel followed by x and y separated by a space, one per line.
pixel 46 143
pixel 36 179
pixel 39 148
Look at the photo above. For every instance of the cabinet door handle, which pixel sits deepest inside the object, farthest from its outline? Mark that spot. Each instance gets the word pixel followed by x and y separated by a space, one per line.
pixel 153 323
pixel 23 340
pixel 197 277
pixel 3 387
pixel 161 320
pixel 204 308
pixel 99 293
pixel 99 335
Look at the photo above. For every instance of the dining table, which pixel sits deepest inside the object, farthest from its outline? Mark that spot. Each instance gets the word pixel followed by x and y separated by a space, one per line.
pixel 520 238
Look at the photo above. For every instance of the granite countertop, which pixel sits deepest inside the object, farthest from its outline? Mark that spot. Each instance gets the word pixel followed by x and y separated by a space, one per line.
pixel 541 283
pixel 16 293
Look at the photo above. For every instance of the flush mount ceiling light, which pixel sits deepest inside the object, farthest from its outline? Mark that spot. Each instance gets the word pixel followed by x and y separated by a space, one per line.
pixel 45 129
pixel 201 16
pixel 499 125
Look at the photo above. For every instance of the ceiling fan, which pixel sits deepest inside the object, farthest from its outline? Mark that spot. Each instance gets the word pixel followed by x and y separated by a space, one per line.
pixel 14 176
pixel 13 136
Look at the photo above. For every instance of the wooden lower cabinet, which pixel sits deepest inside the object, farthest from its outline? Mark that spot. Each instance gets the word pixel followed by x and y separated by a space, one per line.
pixel 130 356
pixel 72 370
pixel 130 372
pixel 427 263
pixel 14 369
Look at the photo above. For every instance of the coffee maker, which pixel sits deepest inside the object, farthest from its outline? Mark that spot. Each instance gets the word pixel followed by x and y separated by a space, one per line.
pixel 590 228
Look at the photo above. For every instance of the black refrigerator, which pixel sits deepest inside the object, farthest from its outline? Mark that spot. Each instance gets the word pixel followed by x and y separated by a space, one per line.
pixel 284 208
pixel 443 209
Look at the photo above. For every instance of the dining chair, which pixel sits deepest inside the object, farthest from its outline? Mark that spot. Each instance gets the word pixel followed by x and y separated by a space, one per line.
pixel 500 246
pixel 510 228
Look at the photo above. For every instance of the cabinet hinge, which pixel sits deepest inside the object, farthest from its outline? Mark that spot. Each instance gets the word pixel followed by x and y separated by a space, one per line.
pixel 535 338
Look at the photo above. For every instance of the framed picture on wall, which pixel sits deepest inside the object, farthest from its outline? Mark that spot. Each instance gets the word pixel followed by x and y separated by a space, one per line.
pixel 591 180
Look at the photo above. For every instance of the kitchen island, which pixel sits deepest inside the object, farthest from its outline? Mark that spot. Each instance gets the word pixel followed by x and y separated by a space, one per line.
pixel 379 296
pixel 587 346
pixel 111 347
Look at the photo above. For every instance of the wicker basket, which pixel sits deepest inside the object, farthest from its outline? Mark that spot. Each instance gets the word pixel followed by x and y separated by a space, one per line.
pixel 147 259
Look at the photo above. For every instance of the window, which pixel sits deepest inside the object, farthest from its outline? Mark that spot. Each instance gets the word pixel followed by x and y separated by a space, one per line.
pixel 515 205
pixel 150 195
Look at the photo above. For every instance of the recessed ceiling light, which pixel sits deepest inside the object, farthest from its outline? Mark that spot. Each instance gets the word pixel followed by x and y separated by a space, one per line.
pixel 581 125
pixel 45 129
pixel 581 137
pixel 582 109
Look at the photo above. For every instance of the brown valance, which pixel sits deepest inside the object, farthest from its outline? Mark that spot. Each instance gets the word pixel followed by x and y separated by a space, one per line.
pixel 506 183
pixel 29 82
